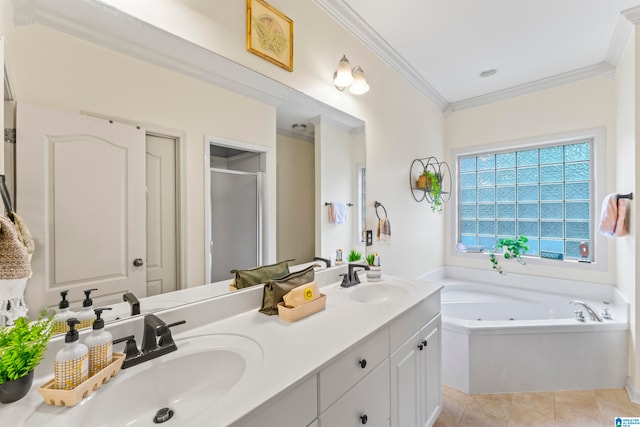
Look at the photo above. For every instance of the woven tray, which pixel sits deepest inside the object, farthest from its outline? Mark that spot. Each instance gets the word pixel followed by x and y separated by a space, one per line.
pixel 302 311
pixel 57 397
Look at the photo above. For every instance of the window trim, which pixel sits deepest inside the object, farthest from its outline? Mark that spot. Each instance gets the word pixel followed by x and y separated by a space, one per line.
pixel 598 184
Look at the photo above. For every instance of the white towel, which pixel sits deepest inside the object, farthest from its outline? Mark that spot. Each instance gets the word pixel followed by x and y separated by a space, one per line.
pixel 384 231
pixel 340 212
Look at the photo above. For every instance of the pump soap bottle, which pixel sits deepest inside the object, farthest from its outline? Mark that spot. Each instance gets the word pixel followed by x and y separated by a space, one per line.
pixel 87 316
pixel 64 313
pixel 71 367
pixel 100 344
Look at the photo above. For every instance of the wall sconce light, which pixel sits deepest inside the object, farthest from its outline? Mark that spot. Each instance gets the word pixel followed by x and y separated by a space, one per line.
pixel 345 77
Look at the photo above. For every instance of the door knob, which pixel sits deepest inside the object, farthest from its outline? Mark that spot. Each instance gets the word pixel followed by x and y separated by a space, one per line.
pixel 138 262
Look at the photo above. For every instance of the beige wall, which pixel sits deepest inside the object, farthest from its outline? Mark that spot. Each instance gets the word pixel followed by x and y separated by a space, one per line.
pixel 295 200
pixel 573 107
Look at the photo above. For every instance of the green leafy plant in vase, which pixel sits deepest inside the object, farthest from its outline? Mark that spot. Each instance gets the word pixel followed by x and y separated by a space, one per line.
pixel 513 249
pixel 354 256
pixel 434 187
pixel 370 259
pixel 22 347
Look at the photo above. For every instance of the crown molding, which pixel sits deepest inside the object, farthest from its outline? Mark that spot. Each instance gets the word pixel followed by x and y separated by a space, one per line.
pixel 602 69
pixel 349 19
pixel 307 137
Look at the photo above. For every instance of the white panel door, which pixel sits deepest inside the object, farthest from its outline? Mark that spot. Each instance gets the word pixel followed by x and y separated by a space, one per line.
pixel 81 191
pixel 405 384
pixel 161 215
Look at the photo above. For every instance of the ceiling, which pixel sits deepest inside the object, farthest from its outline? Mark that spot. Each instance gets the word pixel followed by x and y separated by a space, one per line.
pixel 442 46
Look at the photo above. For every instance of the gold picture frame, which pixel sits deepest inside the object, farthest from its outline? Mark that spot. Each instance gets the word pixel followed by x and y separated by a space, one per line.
pixel 269 34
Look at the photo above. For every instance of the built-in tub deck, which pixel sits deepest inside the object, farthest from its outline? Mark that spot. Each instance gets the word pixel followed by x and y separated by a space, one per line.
pixel 522 334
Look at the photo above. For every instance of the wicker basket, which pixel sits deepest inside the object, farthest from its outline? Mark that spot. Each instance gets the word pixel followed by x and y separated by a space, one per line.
pixel 53 396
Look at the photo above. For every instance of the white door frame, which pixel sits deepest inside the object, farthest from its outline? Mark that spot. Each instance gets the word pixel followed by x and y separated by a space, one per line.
pixel 266 233
pixel 181 186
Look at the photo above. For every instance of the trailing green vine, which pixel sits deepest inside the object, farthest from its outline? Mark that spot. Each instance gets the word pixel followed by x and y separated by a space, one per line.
pixel 433 185
pixel 513 248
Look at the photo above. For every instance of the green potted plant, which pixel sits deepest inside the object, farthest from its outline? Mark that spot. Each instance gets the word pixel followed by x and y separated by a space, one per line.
pixel 354 256
pixel 22 347
pixel 512 248
pixel 434 187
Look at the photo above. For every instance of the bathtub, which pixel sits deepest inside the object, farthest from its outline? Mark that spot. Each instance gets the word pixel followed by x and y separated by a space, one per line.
pixel 517 333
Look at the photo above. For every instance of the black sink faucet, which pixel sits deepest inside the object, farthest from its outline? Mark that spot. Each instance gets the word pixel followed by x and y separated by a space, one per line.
pixel 152 347
pixel 133 302
pixel 351 278
pixel 326 261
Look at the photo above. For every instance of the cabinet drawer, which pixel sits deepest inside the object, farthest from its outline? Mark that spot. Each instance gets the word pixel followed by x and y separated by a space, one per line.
pixel 352 366
pixel 407 324
pixel 370 398
pixel 297 408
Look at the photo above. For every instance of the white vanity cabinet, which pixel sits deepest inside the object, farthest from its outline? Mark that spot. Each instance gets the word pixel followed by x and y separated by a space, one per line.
pixel 415 365
pixel 299 407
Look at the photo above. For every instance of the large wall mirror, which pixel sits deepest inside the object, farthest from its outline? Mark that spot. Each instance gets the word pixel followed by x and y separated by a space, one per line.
pixel 104 212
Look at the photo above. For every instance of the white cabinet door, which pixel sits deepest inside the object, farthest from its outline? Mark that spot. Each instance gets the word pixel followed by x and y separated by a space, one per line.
pixel 405 384
pixel 81 191
pixel 431 372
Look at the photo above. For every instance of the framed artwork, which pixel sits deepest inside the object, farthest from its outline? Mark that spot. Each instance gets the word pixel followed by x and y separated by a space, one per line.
pixel 269 34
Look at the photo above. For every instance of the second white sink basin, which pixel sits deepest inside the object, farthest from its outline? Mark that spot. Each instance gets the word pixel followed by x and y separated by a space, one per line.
pixel 379 293
pixel 188 381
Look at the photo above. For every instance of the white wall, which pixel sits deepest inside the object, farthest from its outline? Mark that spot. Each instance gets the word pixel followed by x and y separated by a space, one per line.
pixel 573 107
pixel 295 200
pixel 626 174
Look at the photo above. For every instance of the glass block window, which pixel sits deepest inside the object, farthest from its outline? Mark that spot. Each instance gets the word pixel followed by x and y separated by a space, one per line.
pixel 543 193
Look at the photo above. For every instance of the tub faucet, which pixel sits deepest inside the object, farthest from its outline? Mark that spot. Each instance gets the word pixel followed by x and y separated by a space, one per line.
pixel 591 311
pixel 326 261
pixel 351 278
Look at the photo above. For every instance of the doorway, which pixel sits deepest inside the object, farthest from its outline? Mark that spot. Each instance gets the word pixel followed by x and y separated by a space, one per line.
pixel 235 209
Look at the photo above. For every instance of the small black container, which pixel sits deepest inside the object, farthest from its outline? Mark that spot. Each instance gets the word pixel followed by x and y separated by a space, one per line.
pixel 11 391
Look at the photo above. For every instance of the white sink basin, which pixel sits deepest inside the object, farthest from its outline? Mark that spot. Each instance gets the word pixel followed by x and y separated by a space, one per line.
pixel 188 381
pixel 379 293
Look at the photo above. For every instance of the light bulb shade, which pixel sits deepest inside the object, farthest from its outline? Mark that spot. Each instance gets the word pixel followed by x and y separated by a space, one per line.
pixel 359 85
pixel 343 77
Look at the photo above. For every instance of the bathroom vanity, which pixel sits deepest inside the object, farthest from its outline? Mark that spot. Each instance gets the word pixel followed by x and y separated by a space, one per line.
pixel 371 357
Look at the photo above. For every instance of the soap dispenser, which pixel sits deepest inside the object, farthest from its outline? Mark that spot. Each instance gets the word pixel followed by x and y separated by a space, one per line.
pixel 100 344
pixel 64 313
pixel 71 367
pixel 86 316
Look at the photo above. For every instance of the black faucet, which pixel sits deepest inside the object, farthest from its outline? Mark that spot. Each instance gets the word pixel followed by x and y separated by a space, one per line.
pixel 152 347
pixel 326 261
pixel 351 278
pixel 133 302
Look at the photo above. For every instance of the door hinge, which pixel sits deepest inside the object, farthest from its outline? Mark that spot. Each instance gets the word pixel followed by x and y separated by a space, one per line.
pixel 10 135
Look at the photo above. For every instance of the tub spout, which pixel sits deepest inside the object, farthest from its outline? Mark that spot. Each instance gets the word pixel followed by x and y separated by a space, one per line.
pixel 591 311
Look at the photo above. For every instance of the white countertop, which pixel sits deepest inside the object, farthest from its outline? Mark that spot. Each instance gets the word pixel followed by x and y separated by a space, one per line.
pixel 292 352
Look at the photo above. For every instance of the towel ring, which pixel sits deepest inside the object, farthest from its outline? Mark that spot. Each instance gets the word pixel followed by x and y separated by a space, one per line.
pixel 380 205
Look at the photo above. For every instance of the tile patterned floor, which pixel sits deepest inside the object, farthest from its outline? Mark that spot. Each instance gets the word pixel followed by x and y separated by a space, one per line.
pixel 583 408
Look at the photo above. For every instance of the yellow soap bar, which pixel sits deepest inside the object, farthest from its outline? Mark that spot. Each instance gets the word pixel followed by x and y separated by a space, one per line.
pixel 302 294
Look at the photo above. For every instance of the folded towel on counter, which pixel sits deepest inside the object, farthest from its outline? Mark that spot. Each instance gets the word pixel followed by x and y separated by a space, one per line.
pixel 302 295
pixel 340 211
pixel 612 219
pixel 384 231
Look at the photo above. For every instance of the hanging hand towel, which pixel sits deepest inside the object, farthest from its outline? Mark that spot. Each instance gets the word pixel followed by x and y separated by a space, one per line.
pixel 340 210
pixel 384 231
pixel 332 214
pixel 612 219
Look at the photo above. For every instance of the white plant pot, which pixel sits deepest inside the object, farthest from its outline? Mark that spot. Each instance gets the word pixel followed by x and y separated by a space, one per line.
pixel 374 274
